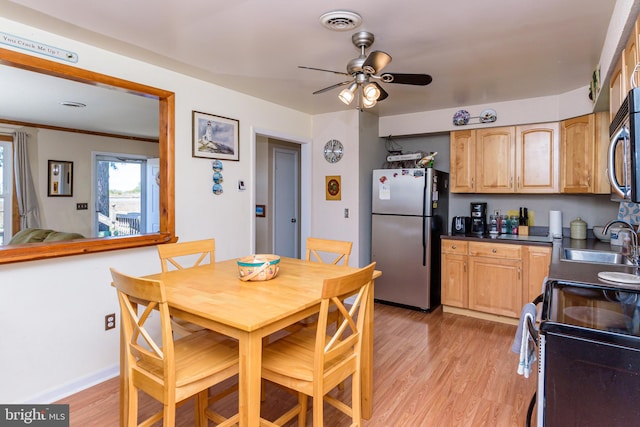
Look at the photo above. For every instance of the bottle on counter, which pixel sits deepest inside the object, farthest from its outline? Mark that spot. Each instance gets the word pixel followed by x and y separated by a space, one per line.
pixel 504 225
pixel 514 224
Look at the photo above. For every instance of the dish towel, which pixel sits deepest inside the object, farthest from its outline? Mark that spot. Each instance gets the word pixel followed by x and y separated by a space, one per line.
pixel 523 342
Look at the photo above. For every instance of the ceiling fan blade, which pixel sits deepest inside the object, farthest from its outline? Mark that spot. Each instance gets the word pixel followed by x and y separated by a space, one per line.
pixel 320 69
pixel 376 61
pixel 332 87
pixel 407 79
pixel 383 93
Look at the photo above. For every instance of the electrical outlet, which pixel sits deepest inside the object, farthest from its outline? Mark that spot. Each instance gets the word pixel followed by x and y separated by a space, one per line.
pixel 109 321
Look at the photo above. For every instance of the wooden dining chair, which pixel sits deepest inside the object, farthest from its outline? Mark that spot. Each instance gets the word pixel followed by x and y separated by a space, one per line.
pixel 328 251
pixel 181 255
pixel 168 370
pixel 313 362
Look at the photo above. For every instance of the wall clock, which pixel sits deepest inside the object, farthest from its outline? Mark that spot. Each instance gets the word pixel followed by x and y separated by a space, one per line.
pixel 333 151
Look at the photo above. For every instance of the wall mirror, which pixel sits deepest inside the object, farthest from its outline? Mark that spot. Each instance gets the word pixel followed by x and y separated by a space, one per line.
pixel 59 178
pixel 164 230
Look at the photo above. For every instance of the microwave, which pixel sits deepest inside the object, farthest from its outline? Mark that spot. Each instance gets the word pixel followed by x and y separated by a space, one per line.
pixel 623 156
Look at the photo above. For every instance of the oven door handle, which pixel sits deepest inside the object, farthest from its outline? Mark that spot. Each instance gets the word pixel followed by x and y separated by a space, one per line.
pixel 530 325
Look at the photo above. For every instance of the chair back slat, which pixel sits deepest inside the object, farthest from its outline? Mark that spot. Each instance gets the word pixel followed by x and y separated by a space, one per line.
pixel 328 251
pixel 181 255
pixel 346 341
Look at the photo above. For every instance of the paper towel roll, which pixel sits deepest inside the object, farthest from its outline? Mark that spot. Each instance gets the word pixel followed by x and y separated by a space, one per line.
pixel 555 224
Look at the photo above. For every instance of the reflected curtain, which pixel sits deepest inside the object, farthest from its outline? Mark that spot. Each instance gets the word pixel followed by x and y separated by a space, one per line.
pixel 25 190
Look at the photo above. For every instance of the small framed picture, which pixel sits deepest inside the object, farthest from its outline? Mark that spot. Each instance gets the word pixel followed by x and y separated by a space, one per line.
pixel 215 137
pixel 261 211
pixel 333 187
pixel 60 178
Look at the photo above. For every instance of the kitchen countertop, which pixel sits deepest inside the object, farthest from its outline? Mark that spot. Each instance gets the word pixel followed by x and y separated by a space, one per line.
pixel 569 271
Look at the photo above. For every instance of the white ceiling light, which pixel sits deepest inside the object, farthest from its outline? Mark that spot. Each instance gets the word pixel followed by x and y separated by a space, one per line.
pixel 346 95
pixel 340 20
pixel 371 92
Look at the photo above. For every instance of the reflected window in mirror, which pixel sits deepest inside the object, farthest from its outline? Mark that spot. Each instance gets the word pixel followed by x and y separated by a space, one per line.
pixel 152 229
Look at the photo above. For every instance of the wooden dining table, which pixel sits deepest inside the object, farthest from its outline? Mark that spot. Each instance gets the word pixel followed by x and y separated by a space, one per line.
pixel 214 297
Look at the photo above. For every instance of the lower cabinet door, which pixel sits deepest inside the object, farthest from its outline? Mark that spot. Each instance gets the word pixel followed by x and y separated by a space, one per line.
pixel 495 286
pixel 454 280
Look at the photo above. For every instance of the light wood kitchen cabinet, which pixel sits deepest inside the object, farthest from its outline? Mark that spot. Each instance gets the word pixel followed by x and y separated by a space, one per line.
pixel 583 154
pixel 538 158
pixel 462 161
pixel 491 278
pixel 495 160
pixel 536 263
pixel 629 61
pixel 619 83
pixel 495 278
pixel 616 90
pixel 454 273
pixel 509 159
pixel 577 153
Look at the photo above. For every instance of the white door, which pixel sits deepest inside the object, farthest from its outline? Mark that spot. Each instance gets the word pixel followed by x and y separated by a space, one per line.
pixel 286 204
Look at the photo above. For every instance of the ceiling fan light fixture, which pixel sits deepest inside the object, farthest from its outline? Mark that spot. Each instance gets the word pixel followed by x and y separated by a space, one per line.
pixel 368 103
pixel 371 92
pixel 347 95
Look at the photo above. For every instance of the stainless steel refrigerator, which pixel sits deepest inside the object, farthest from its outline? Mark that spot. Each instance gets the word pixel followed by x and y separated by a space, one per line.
pixel 409 213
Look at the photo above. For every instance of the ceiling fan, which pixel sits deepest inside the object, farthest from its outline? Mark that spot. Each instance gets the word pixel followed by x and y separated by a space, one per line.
pixel 365 71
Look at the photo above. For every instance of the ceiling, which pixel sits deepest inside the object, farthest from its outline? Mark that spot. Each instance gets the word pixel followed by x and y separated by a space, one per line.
pixel 477 52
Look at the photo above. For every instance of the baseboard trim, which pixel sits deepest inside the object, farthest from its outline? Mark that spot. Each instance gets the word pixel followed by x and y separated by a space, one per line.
pixel 66 390
pixel 479 315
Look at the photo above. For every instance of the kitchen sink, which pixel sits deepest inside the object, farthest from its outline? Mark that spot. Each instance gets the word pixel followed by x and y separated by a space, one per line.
pixel 595 257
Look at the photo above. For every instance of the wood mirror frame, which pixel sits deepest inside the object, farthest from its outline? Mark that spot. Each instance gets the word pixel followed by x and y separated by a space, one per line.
pixel 166 99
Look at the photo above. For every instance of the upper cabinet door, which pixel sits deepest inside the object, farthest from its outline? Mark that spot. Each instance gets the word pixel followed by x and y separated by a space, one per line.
pixel 538 158
pixel 577 151
pixel 495 160
pixel 616 90
pixel 462 161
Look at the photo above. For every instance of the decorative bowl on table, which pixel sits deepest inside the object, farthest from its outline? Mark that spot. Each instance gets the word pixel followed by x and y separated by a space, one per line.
pixel 258 267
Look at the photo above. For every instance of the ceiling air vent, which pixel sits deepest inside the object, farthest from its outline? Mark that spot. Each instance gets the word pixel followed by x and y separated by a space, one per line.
pixel 340 20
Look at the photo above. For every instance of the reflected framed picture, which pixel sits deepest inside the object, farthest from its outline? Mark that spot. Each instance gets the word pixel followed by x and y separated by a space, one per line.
pixel 60 179
pixel 215 137
pixel 261 210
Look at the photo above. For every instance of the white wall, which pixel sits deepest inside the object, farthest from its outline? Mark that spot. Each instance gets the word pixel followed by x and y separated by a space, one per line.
pixel 52 312
pixel 332 224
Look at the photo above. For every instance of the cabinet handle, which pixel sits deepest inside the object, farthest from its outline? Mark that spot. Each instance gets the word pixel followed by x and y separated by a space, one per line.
pixel 510 181
pixel 494 250
pixel 464 266
pixel 589 180
pixel 454 247
pixel 519 273
pixel 518 183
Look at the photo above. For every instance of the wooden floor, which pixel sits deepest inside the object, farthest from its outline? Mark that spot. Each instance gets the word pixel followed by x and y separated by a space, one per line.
pixel 431 369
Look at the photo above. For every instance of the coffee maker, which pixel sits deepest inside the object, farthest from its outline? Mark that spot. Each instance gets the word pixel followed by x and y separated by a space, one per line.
pixel 478 218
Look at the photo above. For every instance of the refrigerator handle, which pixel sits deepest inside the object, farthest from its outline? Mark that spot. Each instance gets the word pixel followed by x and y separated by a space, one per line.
pixel 424 242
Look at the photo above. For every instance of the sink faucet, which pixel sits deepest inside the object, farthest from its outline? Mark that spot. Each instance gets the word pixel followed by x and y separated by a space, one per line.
pixel 635 256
